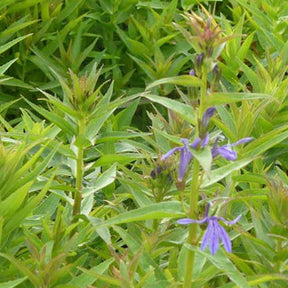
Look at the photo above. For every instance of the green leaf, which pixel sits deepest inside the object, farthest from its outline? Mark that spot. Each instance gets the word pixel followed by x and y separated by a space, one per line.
pixel 124 118
pixel 222 262
pixel 103 232
pixel 14 221
pixel 21 267
pixel 6 105
pixel 62 106
pixel 245 47
pixel 16 83
pixel 54 118
pixel 69 9
pixel 32 174
pixel 11 284
pixel 226 98
pixel 104 180
pixel 136 47
pixel 105 278
pixel 11 204
pixel 252 77
pixel 183 80
pixel 204 157
pixel 103 111
pixel 220 173
pixel 86 279
pixel 155 211
pixel 116 136
pixel 265 142
pixel 183 110
pixel 8 45
pixel 6 66
pixel 123 158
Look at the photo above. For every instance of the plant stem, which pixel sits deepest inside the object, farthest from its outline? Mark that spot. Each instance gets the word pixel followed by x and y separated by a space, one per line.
pixel 192 237
pixel 194 194
pixel 203 93
pixel 79 170
pixel 79 176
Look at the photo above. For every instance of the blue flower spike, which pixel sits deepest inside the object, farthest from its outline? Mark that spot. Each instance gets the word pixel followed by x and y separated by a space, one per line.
pixel 214 233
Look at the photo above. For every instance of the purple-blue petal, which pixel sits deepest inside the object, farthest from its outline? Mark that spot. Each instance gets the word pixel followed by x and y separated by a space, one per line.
pixel 225 238
pixel 214 241
pixel 241 141
pixel 192 72
pixel 185 142
pixel 185 158
pixel 195 143
pixel 189 221
pixel 206 240
pixel 207 115
pixel 225 152
pixel 214 232
pixel 233 221
pixel 205 141
pixel 185 221
pixel 169 153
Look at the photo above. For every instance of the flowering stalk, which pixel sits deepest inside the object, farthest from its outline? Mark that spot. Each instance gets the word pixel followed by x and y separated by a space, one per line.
pixel 194 194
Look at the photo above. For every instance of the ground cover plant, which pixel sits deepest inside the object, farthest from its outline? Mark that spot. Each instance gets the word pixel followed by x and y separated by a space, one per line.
pixel 143 143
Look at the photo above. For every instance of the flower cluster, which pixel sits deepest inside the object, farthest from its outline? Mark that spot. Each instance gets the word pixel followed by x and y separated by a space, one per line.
pixel 203 140
pixel 215 232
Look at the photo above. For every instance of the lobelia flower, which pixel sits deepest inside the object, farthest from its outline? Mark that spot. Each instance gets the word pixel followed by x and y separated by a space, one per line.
pixel 207 115
pixel 214 233
pixel 192 72
pixel 185 157
pixel 226 151
pixel 185 153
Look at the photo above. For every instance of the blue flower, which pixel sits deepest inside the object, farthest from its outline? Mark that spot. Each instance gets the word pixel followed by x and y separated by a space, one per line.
pixel 192 72
pixel 214 233
pixel 226 151
pixel 185 153
pixel 207 115
pixel 185 157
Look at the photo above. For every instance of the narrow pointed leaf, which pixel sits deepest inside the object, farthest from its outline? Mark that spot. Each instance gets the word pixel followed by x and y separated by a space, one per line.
pixel 183 80
pixel 12 284
pixel 102 181
pixel 154 211
pixel 222 262
pixel 182 109
pixel 226 98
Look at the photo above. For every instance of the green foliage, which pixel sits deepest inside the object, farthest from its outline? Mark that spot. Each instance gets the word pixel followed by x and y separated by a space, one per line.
pixel 86 197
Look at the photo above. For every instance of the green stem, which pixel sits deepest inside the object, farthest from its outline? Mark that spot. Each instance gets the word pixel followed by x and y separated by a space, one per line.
pixel 194 194
pixel 203 94
pixel 79 176
pixel 193 212
pixel 79 170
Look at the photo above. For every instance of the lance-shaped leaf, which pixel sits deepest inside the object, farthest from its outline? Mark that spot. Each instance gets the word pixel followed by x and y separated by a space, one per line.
pixel 102 181
pixel 155 211
pixel 185 111
pixel 182 80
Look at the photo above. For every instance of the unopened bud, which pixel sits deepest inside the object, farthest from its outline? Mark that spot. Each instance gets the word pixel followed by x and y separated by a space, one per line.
pixel 192 72
pixel 216 75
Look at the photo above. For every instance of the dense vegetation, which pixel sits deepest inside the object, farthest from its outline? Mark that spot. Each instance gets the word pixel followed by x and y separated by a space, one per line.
pixel 143 143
